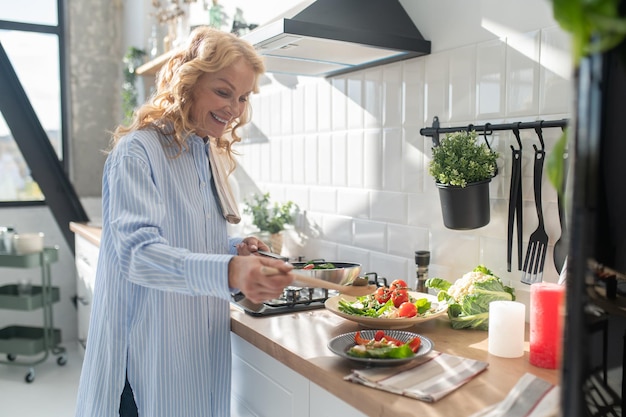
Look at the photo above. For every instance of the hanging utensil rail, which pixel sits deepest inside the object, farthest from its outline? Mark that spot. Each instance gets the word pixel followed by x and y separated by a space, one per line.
pixel 487 128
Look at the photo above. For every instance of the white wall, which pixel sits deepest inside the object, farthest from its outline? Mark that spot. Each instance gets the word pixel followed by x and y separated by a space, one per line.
pixel 348 149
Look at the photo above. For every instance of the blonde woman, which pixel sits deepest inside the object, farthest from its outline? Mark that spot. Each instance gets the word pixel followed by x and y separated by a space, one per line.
pixel 159 336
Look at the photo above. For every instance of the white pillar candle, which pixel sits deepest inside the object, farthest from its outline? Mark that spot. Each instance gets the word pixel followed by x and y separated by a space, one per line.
pixel 507 324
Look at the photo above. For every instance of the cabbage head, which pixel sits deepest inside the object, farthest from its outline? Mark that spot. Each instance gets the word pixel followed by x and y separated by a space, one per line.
pixel 469 297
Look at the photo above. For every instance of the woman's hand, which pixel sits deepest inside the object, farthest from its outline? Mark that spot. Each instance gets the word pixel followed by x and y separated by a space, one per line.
pixel 245 274
pixel 251 245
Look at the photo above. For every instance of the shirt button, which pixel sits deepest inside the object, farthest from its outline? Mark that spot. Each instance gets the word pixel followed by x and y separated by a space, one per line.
pixel 203 184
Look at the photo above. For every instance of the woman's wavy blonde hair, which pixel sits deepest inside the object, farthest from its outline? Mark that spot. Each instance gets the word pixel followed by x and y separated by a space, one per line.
pixel 208 50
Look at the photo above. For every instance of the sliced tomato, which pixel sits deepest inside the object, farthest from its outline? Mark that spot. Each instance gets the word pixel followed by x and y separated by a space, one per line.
pixel 308 266
pixel 359 340
pixel 407 309
pixel 382 295
pixel 398 283
pixel 415 344
pixel 395 341
pixel 399 296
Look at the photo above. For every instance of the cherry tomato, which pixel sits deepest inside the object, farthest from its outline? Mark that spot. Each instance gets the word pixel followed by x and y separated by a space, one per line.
pixel 360 340
pixel 379 335
pixel 399 296
pixel 382 295
pixel 407 309
pixel 398 283
pixel 414 344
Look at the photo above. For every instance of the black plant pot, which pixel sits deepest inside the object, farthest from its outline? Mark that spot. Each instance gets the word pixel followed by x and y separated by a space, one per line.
pixel 465 208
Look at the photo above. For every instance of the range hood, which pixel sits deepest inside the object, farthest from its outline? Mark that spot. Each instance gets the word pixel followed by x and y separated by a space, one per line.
pixel 331 37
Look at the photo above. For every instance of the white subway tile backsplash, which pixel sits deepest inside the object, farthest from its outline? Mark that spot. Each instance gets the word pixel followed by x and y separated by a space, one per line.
pixel 323 199
pixel 522 74
pixel 339 158
pixel 436 87
pixel 404 240
pixel 490 79
pixel 391 267
pixel 298 108
pixel 325 161
pixel 339 227
pixel 555 90
pixel 392 160
pixel 355 100
pixel 372 98
pixel 297 159
pixel 462 87
pixel 349 152
pixel 354 254
pixel 354 203
pixel 413 93
pixel 286 113
pixel 286 161
pixel 310 107
pixel 388 206
pixel 339 94
pixel 413 162
pixel 370 235
pixel 309 160
pixel 355 158
pixel 372 159
pixel 392 95
pixel 324 108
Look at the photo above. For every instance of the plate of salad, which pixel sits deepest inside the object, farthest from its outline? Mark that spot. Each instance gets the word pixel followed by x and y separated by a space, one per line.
pixel 393 307
pixel 381 347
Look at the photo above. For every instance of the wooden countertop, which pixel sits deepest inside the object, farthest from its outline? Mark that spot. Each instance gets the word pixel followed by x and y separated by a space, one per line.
pixel 90 232
pixel 299 340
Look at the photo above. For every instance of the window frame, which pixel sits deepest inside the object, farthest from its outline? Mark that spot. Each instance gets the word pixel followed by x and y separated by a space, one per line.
pixel 59 30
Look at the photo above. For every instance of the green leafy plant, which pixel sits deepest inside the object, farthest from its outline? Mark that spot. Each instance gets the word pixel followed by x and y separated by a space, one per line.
pixel 132 60
pixel 596 26
pixel 270 217
pixel 460 160
pixel 469 297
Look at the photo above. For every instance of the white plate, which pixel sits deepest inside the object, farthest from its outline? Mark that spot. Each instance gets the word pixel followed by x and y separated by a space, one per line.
pixel 341 344
pixel 332 304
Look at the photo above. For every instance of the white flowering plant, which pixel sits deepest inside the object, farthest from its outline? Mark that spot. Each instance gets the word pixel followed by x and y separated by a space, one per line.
pixel 468 297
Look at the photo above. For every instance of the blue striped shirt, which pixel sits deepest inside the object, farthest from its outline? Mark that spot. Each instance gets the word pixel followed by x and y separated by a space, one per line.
pixel 161 299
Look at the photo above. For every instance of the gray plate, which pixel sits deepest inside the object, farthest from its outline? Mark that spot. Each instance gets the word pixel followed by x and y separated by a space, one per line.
pixel 339 345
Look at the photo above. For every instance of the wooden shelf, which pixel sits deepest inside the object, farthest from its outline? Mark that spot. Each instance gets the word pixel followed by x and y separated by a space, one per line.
pixel 153 66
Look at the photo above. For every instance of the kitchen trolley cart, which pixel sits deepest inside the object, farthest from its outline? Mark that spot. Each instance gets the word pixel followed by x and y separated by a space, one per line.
pixel 17 341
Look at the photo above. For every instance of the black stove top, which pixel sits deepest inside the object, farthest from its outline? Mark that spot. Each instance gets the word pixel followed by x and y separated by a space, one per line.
pixel 293 299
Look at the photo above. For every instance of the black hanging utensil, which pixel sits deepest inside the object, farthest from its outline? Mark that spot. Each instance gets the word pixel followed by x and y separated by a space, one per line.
pixel 515 204
pixel 560 246
pixel 538 243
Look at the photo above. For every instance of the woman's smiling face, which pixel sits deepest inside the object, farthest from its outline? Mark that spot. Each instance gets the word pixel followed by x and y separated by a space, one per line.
pixel 221 97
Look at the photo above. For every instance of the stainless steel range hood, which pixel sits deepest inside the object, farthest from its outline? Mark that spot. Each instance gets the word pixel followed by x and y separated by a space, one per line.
pixel 331 37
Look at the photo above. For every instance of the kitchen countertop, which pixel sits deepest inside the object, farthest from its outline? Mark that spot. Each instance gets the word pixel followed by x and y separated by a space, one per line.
pixel 299 341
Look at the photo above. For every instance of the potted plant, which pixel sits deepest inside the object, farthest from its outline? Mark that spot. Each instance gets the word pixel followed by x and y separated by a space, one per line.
pixel 463 168
pixel 271 218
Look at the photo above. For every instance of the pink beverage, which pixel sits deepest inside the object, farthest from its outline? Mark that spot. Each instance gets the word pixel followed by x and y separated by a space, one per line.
pixel 546 324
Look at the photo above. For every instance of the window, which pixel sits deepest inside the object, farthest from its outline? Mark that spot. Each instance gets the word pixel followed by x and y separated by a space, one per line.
pixel 32 38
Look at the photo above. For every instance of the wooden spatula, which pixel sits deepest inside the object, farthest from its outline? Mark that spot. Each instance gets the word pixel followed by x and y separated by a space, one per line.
pixel 353 290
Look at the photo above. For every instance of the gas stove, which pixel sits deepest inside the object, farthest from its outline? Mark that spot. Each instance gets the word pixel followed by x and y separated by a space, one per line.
pixel 294 299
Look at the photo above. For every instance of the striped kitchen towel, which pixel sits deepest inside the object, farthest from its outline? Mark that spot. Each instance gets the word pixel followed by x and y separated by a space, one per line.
pixel 428 379
pixel 530 397
pixel 219 161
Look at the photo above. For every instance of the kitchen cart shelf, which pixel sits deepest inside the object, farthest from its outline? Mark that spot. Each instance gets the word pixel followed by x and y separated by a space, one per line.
pixel 16 340
pixel 11 299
